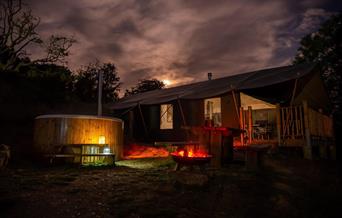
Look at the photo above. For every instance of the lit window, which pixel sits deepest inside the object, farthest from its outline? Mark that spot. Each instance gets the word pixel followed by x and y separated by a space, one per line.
pixel 166 116
pixel 212 111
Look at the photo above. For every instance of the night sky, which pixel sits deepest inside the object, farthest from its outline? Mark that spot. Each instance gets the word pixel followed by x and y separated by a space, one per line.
pixel 181 40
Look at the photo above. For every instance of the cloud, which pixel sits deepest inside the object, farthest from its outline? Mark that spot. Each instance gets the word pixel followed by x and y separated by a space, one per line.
pixel 181 40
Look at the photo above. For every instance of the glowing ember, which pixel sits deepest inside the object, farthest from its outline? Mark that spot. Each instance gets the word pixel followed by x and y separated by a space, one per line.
pixel 140 151
pixel 190 153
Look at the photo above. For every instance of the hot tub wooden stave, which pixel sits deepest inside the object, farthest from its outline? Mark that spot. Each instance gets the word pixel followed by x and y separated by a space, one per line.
pixel 51 131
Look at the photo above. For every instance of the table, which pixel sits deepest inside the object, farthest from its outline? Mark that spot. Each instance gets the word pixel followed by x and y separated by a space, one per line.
pixel 61 152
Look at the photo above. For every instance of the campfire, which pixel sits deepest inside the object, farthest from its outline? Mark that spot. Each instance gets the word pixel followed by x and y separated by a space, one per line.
pixel 190 153
pixel 186 156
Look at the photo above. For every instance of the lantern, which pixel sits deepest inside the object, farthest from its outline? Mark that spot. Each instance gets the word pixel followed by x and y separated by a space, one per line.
pixel 102 139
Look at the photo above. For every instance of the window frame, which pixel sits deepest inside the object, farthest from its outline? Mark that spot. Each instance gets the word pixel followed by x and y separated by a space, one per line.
pixel 165 124
pixel 211 115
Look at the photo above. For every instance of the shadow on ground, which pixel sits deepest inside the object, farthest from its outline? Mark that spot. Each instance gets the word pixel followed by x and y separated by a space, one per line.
pixel 150 188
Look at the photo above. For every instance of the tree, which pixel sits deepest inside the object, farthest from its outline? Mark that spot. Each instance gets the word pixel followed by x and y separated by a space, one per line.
pixel 324 47
pixel 18 31
pixel 52 83
pixel 57 49
pixel 86 84
pixel 144 86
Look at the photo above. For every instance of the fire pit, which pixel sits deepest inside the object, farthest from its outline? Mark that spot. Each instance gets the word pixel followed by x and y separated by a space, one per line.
pixel 184 157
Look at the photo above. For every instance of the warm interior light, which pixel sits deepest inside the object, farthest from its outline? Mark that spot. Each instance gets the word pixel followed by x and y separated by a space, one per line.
pixel 106 150
pixel 102 139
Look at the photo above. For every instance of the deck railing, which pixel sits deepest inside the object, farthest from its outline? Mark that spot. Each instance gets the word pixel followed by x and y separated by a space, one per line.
pixel 298 125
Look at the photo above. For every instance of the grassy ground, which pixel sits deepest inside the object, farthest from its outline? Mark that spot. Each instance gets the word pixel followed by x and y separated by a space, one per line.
pixel 150 188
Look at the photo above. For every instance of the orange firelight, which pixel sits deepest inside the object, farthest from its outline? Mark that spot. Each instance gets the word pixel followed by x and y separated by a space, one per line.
pixel 190 153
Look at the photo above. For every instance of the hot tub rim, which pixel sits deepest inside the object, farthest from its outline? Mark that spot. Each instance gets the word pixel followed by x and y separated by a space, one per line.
pixel 78 116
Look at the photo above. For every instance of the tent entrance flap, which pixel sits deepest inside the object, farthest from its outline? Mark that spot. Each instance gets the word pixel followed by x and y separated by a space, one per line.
pixel 255 103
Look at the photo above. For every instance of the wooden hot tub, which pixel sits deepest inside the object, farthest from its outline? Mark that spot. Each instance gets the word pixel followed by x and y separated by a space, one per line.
pixel 53 131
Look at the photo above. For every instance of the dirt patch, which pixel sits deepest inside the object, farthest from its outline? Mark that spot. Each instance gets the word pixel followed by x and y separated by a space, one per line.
pixel 286 188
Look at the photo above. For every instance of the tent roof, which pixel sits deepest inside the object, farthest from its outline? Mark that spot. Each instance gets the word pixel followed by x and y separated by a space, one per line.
pixel 216 87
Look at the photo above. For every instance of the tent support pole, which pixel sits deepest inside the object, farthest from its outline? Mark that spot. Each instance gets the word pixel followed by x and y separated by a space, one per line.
pixel 288 117
pixel 294 92
pixel 128 110
pixel 183 118
pixel 182 113
pixel 142 119
pixel 242 125
pixel 235 104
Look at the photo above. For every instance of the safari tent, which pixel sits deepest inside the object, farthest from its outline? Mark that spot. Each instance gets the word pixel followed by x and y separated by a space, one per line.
pixel 284 106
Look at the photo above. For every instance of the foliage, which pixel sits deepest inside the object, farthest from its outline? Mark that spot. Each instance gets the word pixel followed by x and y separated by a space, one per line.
pixel 39 83
pixel 54 82
pixel 324 47
pixel 86 82
pixel 144 86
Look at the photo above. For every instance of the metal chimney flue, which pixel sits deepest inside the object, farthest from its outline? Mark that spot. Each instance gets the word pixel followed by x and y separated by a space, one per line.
pixel 210 75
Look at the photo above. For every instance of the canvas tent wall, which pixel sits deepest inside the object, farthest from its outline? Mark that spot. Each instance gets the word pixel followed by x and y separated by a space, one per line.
pixel 217 87
pixel 282 85
pixel 143 122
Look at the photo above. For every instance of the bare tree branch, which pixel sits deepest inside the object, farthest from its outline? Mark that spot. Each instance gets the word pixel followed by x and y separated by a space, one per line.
pixel 18 30
pixel 57 49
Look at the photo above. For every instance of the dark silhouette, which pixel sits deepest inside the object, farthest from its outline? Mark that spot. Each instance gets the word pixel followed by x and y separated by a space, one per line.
pixel 86 82
pixel 18 30
pixel 324 47
pixel 57 49
pixel 144 86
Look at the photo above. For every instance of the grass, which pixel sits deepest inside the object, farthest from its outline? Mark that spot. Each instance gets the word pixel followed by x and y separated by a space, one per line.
pixel 147 163
pixel 149 188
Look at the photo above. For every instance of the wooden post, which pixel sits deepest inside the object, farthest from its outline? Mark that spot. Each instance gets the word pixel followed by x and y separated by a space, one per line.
pixel 283 131
pixel 307 146
pixel 130 124
pixel 296 121
pixel 291 123
pixel 242 125
pixel 99 99
pixel 278 123
pixel 250 123
pixel 301 122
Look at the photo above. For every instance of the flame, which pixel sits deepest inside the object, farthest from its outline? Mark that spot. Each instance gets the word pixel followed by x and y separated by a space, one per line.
pixel 190 153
